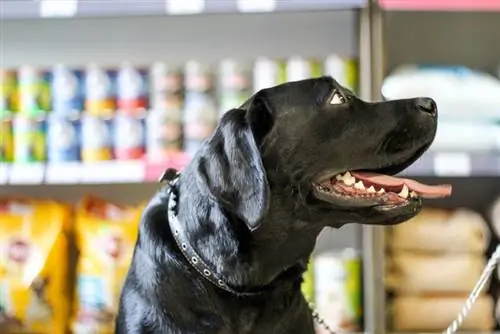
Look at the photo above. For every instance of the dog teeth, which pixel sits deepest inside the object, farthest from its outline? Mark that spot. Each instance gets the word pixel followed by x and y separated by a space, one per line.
pixel 381 191
pixel 359 185
pixel 371 189
pixel 404 192
pixel 413 194
pixel 348 179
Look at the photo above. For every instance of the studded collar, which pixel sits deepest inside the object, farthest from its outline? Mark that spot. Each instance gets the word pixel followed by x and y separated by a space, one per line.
pixel 171 177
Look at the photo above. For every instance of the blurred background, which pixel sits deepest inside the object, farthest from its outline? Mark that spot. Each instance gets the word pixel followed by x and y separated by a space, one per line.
pixel 98 97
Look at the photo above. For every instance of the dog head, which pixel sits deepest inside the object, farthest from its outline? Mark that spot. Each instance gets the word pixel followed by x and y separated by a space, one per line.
pixel 328 152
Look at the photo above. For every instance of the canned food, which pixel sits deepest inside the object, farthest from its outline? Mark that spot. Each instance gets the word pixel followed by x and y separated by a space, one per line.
pixel 235 84
pixel 308 283
pixel 200 111
pixel 132 89
pixel 164 133
pixel 9 99
pixel 34 91
pixel 63 138
pixel 100 90
pixel 343 70
pixel 338 289
pixel 6 139
pixel 29 138
pixel 129 136
pixel 166 87
pixel 268 73
pixel 298 68
pixel 96 138
pixel 67 87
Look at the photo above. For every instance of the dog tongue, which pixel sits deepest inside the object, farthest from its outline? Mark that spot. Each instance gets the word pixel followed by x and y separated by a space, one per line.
pixel 424 190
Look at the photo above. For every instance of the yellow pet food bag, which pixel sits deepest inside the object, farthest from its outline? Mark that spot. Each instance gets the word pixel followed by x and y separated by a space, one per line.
pixel 105 237
pixel 33 267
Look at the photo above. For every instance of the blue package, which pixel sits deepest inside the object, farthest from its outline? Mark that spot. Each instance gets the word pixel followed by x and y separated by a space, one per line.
pixel 63 138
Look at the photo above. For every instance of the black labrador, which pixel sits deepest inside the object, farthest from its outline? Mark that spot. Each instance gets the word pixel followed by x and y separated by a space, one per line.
pixel 222 248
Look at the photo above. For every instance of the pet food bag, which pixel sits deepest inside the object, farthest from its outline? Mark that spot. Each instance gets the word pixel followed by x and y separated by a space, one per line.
pixel 105 237
pixel 435 313
pixel 34 290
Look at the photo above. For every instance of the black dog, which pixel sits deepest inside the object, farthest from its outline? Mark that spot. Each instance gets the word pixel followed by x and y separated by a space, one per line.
pixel 245 214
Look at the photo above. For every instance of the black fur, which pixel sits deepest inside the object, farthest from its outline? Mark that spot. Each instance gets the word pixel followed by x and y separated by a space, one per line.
pixel 248 205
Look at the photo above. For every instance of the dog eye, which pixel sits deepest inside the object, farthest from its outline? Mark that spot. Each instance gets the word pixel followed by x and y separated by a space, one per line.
pixel 337 99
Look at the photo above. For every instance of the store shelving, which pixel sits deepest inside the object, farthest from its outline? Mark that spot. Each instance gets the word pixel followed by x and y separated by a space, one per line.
pixel 30 9
pixel 141 32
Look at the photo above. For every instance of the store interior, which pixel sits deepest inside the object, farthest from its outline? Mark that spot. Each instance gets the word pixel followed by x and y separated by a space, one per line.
pixel 99 97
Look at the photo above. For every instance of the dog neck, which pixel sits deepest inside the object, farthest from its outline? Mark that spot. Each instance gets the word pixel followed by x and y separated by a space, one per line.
pixel 242 260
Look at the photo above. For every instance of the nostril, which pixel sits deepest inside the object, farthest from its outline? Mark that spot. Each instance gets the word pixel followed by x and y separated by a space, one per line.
pixel 427 105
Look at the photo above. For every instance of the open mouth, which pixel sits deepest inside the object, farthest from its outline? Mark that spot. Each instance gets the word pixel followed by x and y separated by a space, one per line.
pixel 377 189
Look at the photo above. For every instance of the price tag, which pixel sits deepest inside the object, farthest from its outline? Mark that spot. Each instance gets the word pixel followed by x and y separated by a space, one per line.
pixel 113 172
pixel 58 8
pixel 63 173
pixel 179 7
pixel 452 164
pixel 246 6
pixel 4 173
pixel 32 173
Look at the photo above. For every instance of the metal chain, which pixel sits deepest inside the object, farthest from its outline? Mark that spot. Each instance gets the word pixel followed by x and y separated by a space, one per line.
pixel 480 285
pixel 485 276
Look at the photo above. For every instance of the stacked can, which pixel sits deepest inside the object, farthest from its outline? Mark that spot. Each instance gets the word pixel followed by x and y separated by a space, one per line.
pixel 235 84
pixel 343 70
pixel 164 122
pixel 34 91
pixel 96 138
pixel 129 123
pixel 267 73
pixel 63 124
pixel 29 138
pixel 338 290
pixel 100 90
pixel 200 111
pixel 8 105
pixel 298 68
pixel 132 89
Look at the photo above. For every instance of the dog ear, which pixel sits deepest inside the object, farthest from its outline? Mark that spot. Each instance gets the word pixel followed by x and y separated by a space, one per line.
pixel 230 169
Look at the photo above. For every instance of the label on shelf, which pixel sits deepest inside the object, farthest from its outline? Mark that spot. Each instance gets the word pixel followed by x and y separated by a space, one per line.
pixel 58 8
pixel 179 7
pixel 452 164
pixel 256 5
pixel 31 173
pixel 65 172
pixel 4 173
pixel 113 172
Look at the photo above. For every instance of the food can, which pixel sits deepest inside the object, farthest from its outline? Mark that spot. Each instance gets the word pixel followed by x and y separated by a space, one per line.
pixel 63 137
pixel 9 99
pixel 338 289
pixel 164 133
pixel 307 286
pixel 6 138
pixel 29 138
pixel 268 73
pixel 129 136
pixel 67 88
pixel 132 89
pixel 34 91
pixel 100 91
pixel 96 142
pixel 200 111
pixel 235 84
pixel 298 68
pixel 166 87
pixel 345 71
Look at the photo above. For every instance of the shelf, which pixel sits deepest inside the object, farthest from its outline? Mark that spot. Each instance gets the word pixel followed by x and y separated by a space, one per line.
pixel 441 5
pixel 31 9
pixel 105 172
pixel 431 164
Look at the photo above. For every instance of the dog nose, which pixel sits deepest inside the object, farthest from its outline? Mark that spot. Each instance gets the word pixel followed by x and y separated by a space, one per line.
pixel 427 105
